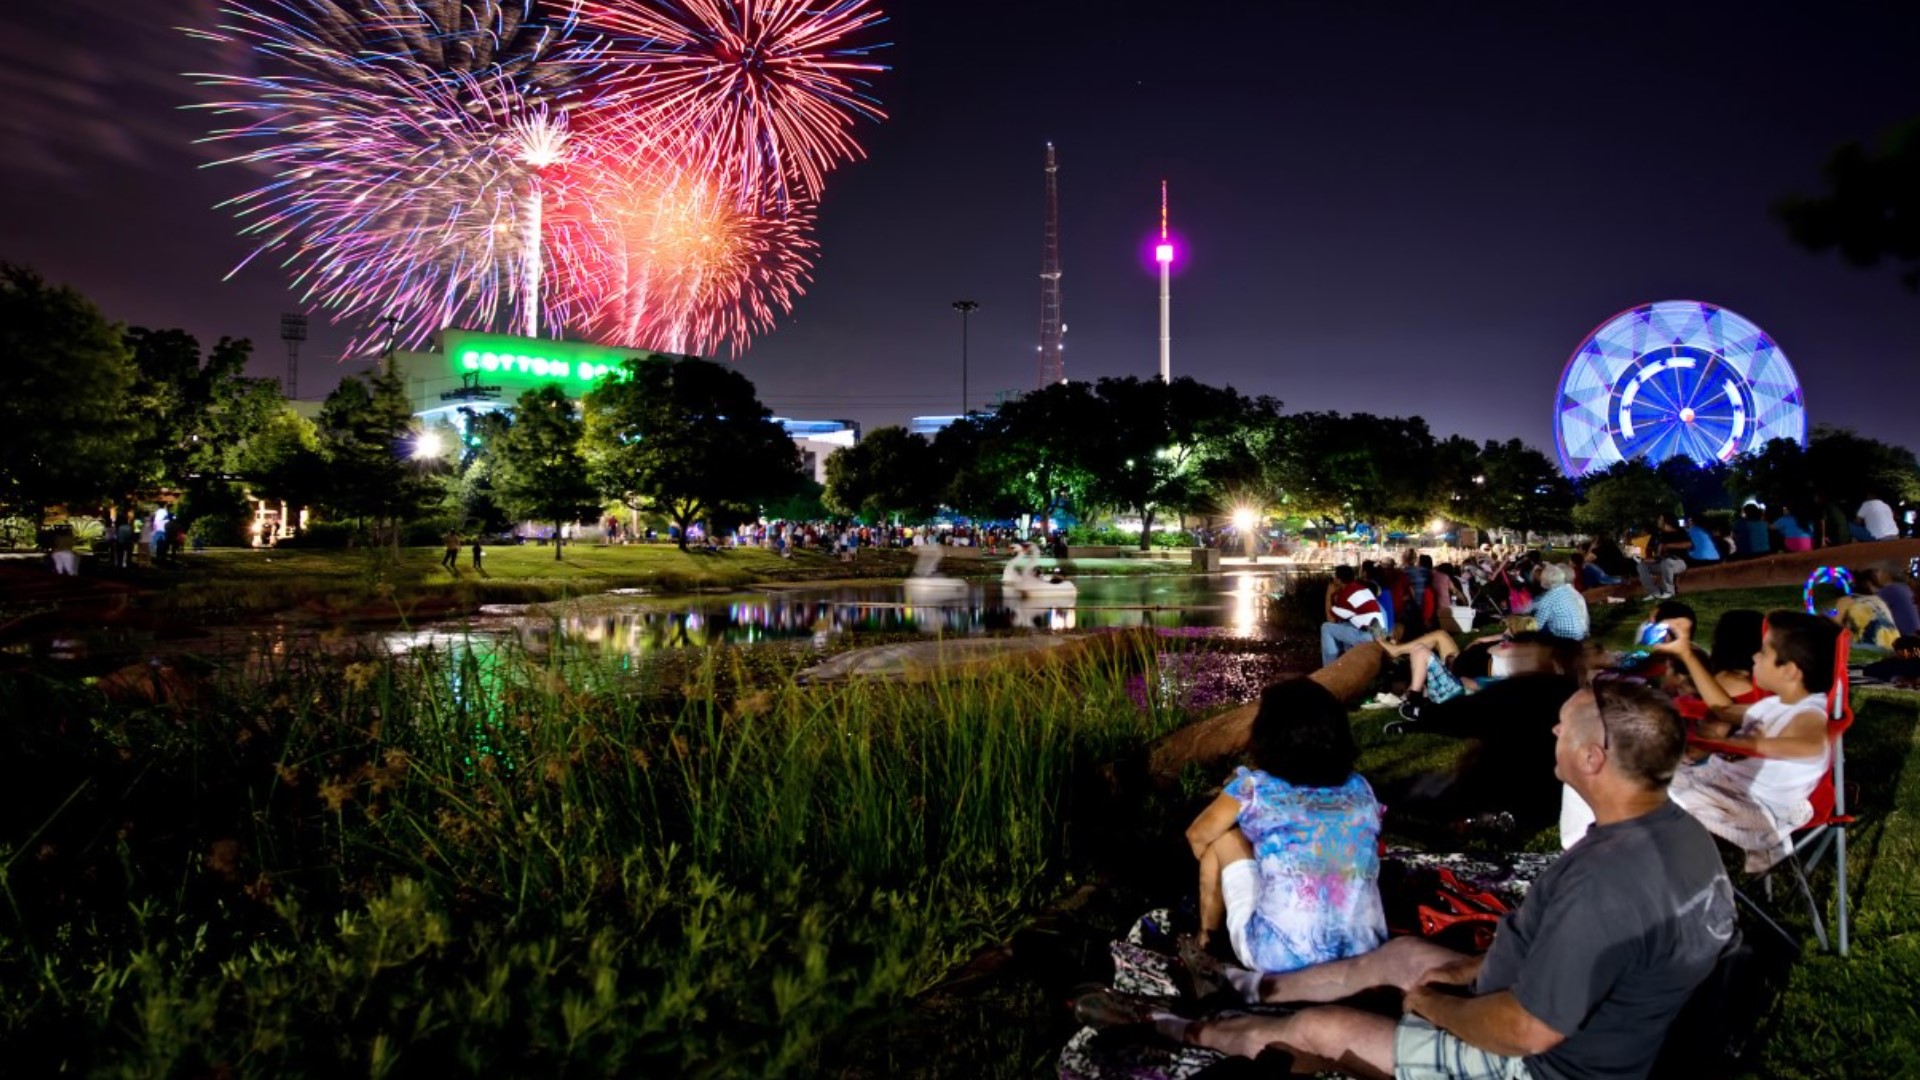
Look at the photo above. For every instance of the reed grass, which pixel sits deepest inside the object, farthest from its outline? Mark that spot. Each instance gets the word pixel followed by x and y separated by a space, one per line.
pixel 490 862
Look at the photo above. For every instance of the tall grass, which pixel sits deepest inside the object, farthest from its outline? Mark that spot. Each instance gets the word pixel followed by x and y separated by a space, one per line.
pixel 489 862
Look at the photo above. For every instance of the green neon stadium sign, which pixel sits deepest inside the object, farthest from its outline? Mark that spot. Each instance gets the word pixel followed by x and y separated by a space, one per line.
pixel 529 362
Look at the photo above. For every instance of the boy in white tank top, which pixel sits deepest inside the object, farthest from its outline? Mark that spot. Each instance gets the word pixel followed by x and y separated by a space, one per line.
pixel 1755 801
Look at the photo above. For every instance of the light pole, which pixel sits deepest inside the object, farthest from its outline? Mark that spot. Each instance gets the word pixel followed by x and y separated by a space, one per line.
pixel 966 308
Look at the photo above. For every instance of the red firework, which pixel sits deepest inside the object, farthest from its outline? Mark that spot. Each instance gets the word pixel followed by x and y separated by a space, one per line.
pixel 765 92
pixel 663 255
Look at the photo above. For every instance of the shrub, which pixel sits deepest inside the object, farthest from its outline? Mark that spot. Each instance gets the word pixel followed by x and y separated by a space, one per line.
pixel 216 530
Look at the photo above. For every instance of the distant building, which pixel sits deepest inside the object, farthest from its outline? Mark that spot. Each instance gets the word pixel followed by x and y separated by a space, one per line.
pixel 930 425
pixel 470 370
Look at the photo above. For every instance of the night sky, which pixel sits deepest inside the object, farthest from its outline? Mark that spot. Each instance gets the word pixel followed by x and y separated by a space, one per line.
pixel 1396 208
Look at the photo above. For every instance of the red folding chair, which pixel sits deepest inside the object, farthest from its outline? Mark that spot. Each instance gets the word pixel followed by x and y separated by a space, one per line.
pixel 1825 834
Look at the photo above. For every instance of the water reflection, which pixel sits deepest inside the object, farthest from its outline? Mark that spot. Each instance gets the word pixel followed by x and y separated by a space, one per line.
pixel 1237 605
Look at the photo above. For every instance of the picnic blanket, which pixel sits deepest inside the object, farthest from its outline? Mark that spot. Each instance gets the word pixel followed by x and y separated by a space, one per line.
pixel 1146 962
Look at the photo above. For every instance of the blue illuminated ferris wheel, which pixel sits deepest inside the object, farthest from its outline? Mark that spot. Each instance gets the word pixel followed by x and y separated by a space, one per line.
pixel 1671 378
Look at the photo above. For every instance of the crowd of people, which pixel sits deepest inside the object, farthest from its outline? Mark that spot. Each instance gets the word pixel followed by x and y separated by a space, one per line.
pixel 1661 764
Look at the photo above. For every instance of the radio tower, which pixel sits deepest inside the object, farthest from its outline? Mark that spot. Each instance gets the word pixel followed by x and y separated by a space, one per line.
pixel 1053 366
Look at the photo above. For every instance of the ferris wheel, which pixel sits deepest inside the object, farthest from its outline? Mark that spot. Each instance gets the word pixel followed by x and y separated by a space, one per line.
pixel 1671 378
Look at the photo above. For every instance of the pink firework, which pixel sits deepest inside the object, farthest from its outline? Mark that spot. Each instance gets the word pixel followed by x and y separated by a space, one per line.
pixel 664 256
pixel 766 91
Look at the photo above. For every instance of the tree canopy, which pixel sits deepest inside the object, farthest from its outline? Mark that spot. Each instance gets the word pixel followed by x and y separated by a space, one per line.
pixel 687 438
pixel 540 463
pixel 67 429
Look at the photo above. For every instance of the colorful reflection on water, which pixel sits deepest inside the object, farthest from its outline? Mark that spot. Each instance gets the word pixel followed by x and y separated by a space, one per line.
pixel 1230 605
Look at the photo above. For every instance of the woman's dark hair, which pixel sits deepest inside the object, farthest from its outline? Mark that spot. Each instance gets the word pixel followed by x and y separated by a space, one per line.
pixel 1301 735
pixel 1736 640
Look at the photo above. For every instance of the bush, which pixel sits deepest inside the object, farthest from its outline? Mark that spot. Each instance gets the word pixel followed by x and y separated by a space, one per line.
pixel 217 530
pixel 18 532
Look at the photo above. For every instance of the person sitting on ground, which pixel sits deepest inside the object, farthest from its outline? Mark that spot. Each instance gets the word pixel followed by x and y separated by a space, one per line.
pixel 1869 618
pixel 1666 556
pixel 1560 610
pixel 1751 539
pixel 1897 595
pixel 1705 550
pixel 1755 801
pixel 1876 520
pixel 1431 661
pixel 1582 979
pixel 1352 614
pixel 1902 668
pixel 1794 534
pixel 1289 859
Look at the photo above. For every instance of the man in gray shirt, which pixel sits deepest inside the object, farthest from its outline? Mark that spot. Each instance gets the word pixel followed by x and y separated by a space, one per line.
pixel 1582 979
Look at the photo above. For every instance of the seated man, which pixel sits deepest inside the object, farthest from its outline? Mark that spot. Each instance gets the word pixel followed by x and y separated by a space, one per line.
pixel 1560 610
pixel 1353 615
pixel 1876 521
pixel 1667 551
pixel 1582 979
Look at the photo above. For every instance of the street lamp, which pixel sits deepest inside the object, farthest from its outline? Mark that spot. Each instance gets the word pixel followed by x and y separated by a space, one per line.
pixel 1245 519
pixel 428 446
pixel 966 308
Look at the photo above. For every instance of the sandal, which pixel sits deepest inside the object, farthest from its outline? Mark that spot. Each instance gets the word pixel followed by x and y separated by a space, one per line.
pixel 1205 973
pixel 1103 1010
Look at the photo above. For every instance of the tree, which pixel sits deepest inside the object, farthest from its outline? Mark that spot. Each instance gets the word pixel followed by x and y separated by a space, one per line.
pixel 471 496
pixel 1033 447
pixel 971 475
pixel 688 439
pixel 65 377
pixel 367 437
pixel 1850 468
pixel 1776 474
pixel 199 414
pixel 540 468
pixel 1700 487
pixel 1627 494
pixel 1496 485
pixel 282 462
pixel 1143 447
pixel 890 473
pixel 1872 209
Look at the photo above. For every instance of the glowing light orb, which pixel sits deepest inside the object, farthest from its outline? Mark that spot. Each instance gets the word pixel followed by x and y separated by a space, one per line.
pixel 1163 253
pixel 1837 576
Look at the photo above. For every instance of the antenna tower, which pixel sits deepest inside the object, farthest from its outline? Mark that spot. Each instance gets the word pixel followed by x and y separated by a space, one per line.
pixel 1053 365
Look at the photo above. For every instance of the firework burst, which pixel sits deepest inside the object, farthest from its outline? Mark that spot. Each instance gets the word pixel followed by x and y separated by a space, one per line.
pixel 763 91
pixel 646 169
pixel 404 143
pixel 667 257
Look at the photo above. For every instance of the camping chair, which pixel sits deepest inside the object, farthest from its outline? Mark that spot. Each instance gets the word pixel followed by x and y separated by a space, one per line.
pixel 1826 832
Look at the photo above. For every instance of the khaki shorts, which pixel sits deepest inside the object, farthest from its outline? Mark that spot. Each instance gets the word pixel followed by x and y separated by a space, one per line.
pixel 1424 1052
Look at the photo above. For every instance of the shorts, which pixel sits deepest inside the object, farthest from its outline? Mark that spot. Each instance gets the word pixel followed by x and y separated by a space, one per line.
pixel 1424 1052
pixel 1442 686
pixel 1240 888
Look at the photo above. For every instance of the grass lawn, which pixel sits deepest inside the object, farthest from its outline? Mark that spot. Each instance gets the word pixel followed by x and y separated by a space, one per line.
pixel 252 581
pixel 233 581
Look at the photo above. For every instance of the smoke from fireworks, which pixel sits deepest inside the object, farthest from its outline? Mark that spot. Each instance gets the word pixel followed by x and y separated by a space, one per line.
pixel 646 169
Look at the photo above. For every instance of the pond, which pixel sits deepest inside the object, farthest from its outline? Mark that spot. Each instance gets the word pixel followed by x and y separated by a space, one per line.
pixel 1230 605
